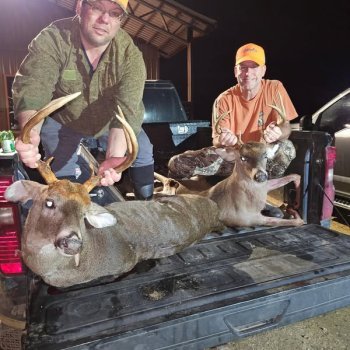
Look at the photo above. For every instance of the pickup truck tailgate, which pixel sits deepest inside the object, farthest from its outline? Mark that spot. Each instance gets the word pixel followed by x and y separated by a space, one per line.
pixel 228 286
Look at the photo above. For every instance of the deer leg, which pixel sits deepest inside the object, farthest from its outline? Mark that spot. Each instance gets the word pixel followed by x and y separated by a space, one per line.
pixel 282 181
pixel 272 221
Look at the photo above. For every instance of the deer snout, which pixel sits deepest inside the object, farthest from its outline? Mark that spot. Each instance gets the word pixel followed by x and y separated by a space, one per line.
pixel 260 176
pixel 70 244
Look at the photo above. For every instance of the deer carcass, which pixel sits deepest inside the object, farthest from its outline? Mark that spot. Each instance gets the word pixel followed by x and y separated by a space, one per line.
pixel 242 196
pixel 68 240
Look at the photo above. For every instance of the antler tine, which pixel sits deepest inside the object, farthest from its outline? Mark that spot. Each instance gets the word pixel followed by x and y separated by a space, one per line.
pixel 127 136
pixel 131 140
pixel 44 166
pixel 93 181
pixel 217 127
pixel 239 140
pixel 45 171
pixel 132 147
pixel 280 110
pixel 43 113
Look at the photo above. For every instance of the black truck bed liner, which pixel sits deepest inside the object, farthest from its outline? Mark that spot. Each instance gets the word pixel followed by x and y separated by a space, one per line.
pixel 224 288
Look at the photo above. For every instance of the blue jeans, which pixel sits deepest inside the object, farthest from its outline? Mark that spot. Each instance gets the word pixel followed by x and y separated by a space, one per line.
pixel 62 143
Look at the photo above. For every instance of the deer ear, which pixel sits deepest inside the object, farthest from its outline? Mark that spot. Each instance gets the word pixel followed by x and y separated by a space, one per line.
pixel 99 217
pixel 228 153
pixel 23 190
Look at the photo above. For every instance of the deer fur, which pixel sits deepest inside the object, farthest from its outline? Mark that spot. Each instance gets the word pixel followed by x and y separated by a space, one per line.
pixel 242 196
pixel 68 239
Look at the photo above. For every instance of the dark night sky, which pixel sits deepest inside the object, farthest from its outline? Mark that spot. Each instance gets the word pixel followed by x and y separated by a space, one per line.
pixel 307 46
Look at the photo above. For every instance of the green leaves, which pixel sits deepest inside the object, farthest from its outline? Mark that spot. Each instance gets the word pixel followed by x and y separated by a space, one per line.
pixel 6 135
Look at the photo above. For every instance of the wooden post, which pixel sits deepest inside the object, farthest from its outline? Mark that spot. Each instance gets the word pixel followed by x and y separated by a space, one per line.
pixel 189 63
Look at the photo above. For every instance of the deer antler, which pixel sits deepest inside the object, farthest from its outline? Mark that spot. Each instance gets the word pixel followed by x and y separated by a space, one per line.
pixel 218 129
pixel 132 147
pixel 44 166
pixel 129 143
pixel 280 110
pixel 239 139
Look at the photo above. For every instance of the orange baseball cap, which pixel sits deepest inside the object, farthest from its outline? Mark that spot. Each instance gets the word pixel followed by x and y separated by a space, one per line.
pixel 122 3
pixel 251 52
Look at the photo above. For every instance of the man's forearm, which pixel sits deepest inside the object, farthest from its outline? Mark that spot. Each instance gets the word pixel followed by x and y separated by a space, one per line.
pixel 116 143
pixel 286 130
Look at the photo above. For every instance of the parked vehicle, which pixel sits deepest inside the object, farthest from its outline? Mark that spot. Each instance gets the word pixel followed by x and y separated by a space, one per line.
pixel 167 125
pixel 334 118
pixel 233 284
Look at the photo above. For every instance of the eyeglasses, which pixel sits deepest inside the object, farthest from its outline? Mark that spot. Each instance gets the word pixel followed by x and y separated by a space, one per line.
pixel 99 10
pixel 246 68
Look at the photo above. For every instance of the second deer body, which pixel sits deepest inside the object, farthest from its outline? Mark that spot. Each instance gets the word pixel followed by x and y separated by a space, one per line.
pixel 242 196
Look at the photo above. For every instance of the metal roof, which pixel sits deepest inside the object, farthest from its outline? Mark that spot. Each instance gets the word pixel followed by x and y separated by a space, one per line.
pixel 165 24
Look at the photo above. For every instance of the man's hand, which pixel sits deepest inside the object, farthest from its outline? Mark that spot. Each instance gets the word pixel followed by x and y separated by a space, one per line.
pixel 106 170
pixel 110 176
pixel 29 152
pixel 272 133
pixel 227 137
pixel 115 155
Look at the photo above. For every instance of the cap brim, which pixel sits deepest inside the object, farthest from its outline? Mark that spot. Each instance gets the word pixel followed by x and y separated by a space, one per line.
pixel 121 6
pixel 249 58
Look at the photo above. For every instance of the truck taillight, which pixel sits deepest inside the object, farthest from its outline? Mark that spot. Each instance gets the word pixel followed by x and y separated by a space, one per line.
pixel 10 261
pixel 329 191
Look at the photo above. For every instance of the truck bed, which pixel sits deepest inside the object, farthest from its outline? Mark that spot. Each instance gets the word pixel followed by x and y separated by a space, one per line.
pixel 228 286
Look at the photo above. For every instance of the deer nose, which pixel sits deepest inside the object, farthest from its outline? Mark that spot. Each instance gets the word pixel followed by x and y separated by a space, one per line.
pixel 70 245
pixel 260 176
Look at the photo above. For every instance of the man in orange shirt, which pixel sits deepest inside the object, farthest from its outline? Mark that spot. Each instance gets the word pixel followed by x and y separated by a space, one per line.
pixel 243 111
pixel 246 107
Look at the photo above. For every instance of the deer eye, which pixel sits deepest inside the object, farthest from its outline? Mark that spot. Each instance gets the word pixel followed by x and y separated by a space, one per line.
pixel 243 159
pixel 50 204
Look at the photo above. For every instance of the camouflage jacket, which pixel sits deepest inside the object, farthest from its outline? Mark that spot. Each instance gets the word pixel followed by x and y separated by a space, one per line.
pixel 56 65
